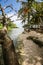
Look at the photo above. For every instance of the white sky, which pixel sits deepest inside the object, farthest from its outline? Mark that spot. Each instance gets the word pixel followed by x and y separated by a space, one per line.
pixel 14 18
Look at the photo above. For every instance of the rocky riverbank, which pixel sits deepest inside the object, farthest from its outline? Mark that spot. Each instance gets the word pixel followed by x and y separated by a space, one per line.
pixel 29 51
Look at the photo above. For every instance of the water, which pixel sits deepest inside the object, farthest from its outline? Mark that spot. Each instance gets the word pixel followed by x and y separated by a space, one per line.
pixel 14 33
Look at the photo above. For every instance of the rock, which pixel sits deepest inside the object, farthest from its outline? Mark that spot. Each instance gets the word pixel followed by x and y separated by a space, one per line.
pixel 38 58
pixel 38 63
pixel 32 51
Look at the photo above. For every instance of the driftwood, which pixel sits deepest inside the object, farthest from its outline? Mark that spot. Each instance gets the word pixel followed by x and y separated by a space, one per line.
pixel 8 49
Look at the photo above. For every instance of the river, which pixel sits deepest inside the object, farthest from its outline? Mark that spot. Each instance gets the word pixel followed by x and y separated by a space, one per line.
pixel 14 33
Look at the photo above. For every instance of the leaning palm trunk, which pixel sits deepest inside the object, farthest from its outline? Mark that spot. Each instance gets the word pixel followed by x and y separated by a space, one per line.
pixel 9 54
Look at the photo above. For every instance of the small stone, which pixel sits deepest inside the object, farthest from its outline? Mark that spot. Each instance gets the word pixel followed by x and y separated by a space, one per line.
pixel 38 58
pixel 38 63
pixel 26 63
pixel 34 61
pixel 30 64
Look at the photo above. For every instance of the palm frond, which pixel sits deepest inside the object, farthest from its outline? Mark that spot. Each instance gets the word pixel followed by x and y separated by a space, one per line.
pixel 20 12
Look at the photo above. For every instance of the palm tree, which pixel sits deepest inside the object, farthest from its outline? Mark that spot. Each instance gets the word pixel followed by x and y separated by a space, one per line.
pixel 25 11
pixel 38 15
pixel 31 12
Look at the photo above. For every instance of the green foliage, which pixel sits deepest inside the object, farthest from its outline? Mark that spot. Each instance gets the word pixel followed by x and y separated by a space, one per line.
pixel 25 10
pixel 0 26
pixel 38 7
pixel 10 26
pixel 31 8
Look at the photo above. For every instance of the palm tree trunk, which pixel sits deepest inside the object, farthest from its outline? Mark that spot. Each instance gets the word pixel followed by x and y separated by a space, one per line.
pixel 9 54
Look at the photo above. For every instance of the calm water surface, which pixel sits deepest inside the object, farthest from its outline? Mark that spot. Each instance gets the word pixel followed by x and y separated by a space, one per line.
pixel 14 33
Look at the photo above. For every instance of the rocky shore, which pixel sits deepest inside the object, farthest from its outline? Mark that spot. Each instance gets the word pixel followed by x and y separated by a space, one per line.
pixel 28 49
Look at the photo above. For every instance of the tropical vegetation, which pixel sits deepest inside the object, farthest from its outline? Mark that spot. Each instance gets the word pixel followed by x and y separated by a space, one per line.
pixel 32 12
pixel 10 25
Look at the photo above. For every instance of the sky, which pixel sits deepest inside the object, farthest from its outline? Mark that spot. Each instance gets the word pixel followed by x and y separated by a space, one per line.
pixel 14 18
pixel 39 0
pixel 16 6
